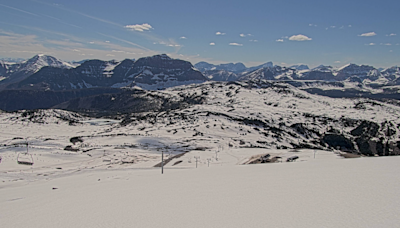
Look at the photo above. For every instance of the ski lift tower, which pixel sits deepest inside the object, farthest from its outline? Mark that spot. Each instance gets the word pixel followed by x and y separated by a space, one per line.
pixel 25 158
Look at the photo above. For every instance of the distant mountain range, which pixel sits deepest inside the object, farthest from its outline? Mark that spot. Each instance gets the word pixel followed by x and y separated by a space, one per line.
pixel 42 74
pixel 160 72
pixel 367 75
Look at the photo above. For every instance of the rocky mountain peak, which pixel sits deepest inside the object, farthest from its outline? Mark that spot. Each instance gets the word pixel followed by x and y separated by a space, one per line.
pixel 35 63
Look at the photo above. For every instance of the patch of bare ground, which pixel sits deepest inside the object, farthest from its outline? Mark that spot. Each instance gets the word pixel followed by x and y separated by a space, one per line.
pixel 349 155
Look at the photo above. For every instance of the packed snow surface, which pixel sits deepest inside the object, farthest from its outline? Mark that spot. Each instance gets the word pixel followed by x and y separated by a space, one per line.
pixel 318 193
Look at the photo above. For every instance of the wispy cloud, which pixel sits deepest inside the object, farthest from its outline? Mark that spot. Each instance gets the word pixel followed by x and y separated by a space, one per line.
pixel 85 15
pixel 149 36
pixel 125 41
pixel 388 44
pixel 337 61
pixel 299 38
pixel 61 21
pixel 212 44
pixel 20 10
pixel 370 44
pixel 182 38
pixel 139 28
pixel 235 44
pixel 19 45
pixel 67 36
pixel 254 41
pixel 368 34
pixel 279 40
pixel 312 25
pixel 392 34
pixel 220 33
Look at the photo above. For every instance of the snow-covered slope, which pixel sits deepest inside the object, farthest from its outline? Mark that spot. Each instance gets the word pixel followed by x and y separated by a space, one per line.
pixel 111 179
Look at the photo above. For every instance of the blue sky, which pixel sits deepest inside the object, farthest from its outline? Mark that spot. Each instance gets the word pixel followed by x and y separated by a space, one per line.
pixel 253 32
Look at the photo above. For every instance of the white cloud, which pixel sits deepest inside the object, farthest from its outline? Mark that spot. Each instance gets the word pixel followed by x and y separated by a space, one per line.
pixel 219 33
pixel 392 34
pixel 139 28
pixel 342 27
pixel 235 44
pixel 212 44
pixel 368 34
pixel 337 61
pixel 107 41
pixel 312 25
pixel 388 44
pixel 299 38
pixel 349 26
pixel 370 44
pixel 279 40
pixel 110 55
pixel 91 42
pixel 253 40
pixel 391 51
pixel 182 38
pixel 242 35
pixel 333 26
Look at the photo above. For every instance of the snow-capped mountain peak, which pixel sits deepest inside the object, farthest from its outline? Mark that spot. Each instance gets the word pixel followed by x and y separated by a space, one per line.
pixel 35 63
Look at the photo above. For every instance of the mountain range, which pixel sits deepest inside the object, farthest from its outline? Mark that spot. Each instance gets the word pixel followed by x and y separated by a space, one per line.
pixel 161 71
pixel 28 84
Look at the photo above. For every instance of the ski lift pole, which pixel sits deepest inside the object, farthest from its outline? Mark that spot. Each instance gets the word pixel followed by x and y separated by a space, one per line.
pixel 197 159
pixel 162 162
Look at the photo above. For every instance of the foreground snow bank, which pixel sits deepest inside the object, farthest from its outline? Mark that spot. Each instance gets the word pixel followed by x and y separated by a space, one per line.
pixel 318 193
